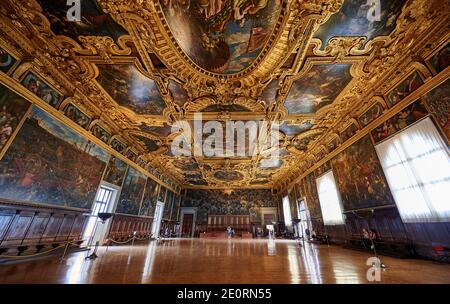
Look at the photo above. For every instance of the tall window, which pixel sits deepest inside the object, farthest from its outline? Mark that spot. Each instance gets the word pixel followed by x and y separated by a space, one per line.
pixel 416 163
pixel 287 212
pixel 330 201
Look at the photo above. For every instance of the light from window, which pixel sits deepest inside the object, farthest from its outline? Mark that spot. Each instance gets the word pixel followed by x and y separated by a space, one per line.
pixel 287 212
pixel 416 163
pixel 330 201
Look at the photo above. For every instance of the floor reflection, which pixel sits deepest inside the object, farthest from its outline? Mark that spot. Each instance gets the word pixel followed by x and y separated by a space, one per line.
pixel 221 261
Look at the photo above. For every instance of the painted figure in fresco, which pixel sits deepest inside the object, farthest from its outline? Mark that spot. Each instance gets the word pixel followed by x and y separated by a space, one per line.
pixel 6 61
pixel 221 35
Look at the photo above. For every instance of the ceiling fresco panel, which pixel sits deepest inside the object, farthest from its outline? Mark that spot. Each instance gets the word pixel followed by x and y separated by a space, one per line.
pixel 131 89
pixel 221 36
pixel 317 88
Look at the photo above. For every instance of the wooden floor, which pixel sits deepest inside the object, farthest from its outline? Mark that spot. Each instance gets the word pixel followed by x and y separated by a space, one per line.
pixel 222 261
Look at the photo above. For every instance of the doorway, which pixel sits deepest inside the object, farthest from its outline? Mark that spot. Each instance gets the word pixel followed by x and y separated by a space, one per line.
pixel 104 202
pixel 156 226
pixel 188 222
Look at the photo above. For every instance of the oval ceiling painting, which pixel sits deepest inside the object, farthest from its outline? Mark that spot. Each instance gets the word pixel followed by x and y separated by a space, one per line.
pixel 222 36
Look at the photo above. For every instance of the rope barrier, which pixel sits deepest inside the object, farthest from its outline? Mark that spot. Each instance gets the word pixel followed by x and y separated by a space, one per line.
pixel 129 240
pixel 37 254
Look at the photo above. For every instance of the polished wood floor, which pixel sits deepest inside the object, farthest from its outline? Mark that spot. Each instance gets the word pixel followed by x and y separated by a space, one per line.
pixel 222 261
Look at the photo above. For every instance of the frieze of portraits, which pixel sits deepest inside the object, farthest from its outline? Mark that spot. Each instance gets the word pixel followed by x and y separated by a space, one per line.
pixel 360 178
pixel 117 145
pixel 12 110
pixel 349 132
pixel 41 89
pixel 61 167
pixel 77 116
pixel 439 101
pixel 441 59
pixel 317 88
pixel 7 61
pixel 370 115
pixel 401 120
pixel 404 89
pixel 100 133
pixel 132 192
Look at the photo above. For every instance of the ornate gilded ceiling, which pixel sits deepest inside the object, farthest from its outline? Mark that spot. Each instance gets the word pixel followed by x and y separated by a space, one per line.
pixel 310 66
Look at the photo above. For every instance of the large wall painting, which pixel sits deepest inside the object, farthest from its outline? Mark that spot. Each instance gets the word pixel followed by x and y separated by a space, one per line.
pixel 131 89
pixel 308 191
pixel 12 110
pixel 168 205
pixel 61 167
pixel 439 102
pixel 93 21
pixel 115 172
pixel 360 178
pixel 132 192
pixel 353 20
pixel 42 90
pixel 399 121
pixel 150 197
pixel 317 88
pixel 236 202
pixel 222 36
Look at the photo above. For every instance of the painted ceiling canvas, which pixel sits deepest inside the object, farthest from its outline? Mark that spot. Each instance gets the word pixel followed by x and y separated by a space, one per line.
pixel 179 94
pixel 222 36
pixel 269 94
pixel 225 108
pixel 131 89
pixel 60 168
pixel 293 130
pixel 94 22
pixel 317 88
pixel 360 178
pixel 353 20
pixel 162 131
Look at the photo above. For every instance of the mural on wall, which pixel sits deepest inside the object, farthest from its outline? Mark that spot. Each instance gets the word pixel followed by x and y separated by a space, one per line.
pixel 77 116
pixel 441 60
pixel 293 130
pixel 12 109
pixel 370 115
pixel 400 121
pixel 439 102
pixel 317 88
pixel 93 21
pixel 115 172
pixel 176 208
pixel 42 90
pixel 360 178
pixel 61 167
pixel 168 205
pixel 131 89
pixel 404 89
pixel 132 192
pixel 308 190
pixel 162 194
pixel 236 202
pixel 150 197
pixel 100 133
pixel 7 62
pixel 353 20
pixel 221 36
